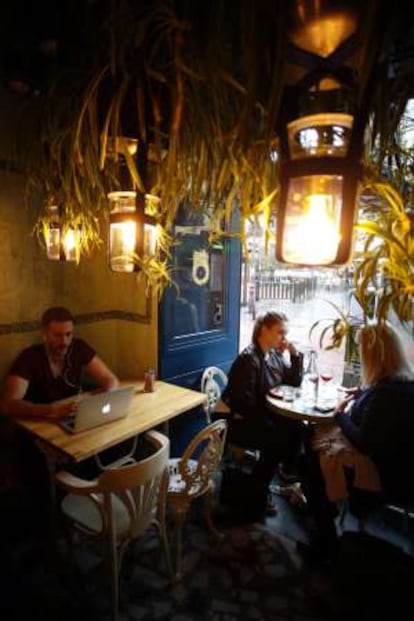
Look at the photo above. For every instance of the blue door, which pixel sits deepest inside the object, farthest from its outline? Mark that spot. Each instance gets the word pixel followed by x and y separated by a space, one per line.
pixel 199 320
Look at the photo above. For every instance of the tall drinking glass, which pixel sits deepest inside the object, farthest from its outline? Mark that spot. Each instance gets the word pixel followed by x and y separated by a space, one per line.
pixel 310 381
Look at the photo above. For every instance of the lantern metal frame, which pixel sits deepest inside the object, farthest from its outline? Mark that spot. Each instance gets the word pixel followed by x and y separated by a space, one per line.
pixel 326 98
pixel 128 263
pixel 349 171
pixel 61 252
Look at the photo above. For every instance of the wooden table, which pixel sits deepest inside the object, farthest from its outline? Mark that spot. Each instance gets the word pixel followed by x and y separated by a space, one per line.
pixel 148 410
pixel 297 409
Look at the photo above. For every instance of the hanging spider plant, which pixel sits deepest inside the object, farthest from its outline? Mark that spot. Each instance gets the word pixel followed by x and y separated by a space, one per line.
pixel 207 121
pixel 199 86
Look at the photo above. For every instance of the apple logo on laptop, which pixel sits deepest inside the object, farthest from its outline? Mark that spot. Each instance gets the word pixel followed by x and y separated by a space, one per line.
pixel 106 408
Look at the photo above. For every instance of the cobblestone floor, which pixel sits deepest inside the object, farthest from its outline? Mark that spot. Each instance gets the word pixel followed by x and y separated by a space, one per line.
pixel 252 574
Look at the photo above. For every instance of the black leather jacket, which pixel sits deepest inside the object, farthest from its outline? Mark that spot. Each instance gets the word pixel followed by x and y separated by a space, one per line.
pixel 251 376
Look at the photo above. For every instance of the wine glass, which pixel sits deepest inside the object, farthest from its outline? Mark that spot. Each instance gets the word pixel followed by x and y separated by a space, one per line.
pixel 326 381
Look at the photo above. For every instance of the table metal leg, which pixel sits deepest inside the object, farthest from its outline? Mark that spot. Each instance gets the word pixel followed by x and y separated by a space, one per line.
pixel 165 428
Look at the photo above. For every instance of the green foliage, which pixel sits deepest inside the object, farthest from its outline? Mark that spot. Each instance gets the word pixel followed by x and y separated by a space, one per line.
pixel 206 121
pixel 333 331
pixel 200 87
pixel 388 256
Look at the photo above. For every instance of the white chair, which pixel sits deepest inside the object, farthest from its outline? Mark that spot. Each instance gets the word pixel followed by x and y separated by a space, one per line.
pixel 192 475
pixel 213 382
pixel 120 506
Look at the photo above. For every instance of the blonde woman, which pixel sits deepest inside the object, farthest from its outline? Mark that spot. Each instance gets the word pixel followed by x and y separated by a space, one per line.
pixel 380 422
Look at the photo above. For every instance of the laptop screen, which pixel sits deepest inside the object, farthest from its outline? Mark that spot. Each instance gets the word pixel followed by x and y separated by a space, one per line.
pixel 99 409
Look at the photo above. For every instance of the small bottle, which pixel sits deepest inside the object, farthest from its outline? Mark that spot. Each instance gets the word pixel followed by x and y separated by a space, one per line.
pixel 149 380
pixel 311 380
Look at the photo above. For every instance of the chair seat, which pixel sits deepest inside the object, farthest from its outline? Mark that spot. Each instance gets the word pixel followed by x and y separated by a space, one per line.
pixel 84 511
pixel 177 485
pixel 222 409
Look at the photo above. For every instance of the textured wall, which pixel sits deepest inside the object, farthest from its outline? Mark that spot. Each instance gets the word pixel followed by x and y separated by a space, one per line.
pixel 112 311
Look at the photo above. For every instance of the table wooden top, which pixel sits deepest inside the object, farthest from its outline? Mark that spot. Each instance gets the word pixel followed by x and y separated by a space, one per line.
pixel 297 410
pixel 148 410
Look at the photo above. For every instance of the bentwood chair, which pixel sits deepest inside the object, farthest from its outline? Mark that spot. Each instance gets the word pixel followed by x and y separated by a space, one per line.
pixel 192 476
pixel 120 506
pixel 213 382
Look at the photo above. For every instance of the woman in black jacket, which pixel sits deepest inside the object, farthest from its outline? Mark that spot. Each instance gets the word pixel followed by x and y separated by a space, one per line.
pixel 257 369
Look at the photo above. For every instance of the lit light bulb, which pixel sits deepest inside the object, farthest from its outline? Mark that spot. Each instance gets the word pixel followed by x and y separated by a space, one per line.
pixel 312 230
pixel 316 234
pixel 71 245
pixel 123 245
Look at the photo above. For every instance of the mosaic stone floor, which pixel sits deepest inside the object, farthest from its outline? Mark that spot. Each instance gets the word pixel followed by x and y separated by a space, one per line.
pixel 253 574
pixel 250 575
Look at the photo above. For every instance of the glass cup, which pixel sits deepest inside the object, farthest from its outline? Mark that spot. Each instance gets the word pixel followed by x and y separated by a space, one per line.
pixel 341 394
pixel 288 393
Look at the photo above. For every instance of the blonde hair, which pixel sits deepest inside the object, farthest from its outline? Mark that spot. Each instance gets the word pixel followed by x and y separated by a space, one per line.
pixel 266 321
pixel 382 355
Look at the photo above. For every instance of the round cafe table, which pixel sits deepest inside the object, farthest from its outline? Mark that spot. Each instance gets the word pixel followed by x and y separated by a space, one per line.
pixel 297 409
pixel 334 451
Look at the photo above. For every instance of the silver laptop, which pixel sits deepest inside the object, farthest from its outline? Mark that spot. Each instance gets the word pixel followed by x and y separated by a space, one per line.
pixel 99 409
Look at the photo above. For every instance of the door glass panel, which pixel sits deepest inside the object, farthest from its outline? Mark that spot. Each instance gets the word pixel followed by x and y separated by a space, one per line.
pixel 197 305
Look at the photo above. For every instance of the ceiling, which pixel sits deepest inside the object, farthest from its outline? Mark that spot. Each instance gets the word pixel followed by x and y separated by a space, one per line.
pixel 39 39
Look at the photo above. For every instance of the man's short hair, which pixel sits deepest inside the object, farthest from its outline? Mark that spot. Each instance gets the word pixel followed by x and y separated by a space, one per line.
pixel 56 313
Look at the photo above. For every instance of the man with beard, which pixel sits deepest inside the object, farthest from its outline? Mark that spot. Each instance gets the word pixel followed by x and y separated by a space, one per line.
pixel 40 376
pixel 46 372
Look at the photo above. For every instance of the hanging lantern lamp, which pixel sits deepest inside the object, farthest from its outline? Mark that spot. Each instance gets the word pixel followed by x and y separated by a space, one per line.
pixel 321 131
pixel 62 242
pixel 132 230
